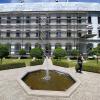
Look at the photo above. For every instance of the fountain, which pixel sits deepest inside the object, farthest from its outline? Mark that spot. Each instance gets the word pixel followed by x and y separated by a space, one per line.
pixel 48 80
pixel 47 76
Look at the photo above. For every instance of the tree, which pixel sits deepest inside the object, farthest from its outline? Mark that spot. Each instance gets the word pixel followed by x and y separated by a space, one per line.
pixel 59 53
pixel 74 52
pixel 37 53
pixel 22 52
pixel 96 51
pixel 4 52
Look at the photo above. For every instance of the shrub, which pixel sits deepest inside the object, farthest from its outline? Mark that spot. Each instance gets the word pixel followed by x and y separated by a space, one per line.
pixel 36 62
pixel 60 63
pixel 37 53
pixel 74 53
pixel 12 65
pixel 4 52
pixel 91 68
pixel 59 53
pixel 22 52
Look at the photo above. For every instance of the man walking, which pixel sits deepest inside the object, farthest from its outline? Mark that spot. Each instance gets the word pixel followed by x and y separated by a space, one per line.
pixel 79 63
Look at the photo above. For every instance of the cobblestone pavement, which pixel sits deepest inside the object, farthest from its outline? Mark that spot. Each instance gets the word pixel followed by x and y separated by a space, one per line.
pixel 10 89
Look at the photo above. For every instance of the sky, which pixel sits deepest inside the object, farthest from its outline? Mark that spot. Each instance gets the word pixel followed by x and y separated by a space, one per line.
pixel 10 1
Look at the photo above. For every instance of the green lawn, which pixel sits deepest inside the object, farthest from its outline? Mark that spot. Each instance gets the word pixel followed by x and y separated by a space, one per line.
pixel 89 65
pixel 71 63
pixel 7 61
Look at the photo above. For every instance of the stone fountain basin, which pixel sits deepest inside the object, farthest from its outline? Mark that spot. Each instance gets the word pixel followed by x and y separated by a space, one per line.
pixel 65 93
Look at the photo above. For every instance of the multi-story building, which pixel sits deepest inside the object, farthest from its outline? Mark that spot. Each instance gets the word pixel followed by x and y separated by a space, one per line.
pixel 74 25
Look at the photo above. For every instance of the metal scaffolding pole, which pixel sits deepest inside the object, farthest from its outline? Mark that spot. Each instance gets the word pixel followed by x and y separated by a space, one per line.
pixel 43 29
pixel 22 31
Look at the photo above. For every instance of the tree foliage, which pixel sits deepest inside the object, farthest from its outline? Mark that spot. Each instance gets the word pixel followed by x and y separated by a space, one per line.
pixel 4 52
pixel 74 52
pixel 96 51
pixel 22 52
pixel 37 53
pixel 59 53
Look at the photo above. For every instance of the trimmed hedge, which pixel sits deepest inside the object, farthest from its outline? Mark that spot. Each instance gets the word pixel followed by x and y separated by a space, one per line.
pixel 91 68
pixel 60 63
pixel 12 65
pixel 36 62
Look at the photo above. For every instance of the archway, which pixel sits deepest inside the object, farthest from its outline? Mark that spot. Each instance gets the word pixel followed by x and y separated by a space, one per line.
pixel 48 49
pixel 68 48
pixel 28 47
pixel 17 48
pixel 89 48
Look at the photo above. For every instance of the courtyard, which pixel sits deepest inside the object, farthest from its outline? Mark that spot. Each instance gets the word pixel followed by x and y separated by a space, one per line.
pixel 10 89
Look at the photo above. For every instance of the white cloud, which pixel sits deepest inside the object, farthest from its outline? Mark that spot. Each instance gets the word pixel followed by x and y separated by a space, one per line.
pixel 29 1
pixel 16 1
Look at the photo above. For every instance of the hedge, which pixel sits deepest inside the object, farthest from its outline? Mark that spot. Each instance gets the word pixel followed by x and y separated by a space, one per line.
pixel 91 68
pixel 60 63
pixel 12 65
pixel 36 62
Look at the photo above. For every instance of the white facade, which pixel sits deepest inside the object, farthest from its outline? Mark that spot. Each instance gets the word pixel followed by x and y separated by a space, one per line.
pixel 23 25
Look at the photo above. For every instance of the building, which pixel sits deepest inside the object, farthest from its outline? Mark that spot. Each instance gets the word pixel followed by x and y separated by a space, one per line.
pixel 75 25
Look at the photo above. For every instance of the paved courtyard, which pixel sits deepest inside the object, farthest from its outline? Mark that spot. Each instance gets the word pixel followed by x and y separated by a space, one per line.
pixel 10 89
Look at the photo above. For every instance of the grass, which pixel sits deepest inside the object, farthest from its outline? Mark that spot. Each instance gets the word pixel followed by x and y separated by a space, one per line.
pixel 89 65
pixel 71 63
pixel 8 61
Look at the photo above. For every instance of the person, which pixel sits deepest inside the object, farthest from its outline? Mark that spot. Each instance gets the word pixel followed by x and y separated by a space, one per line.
pixel 79 63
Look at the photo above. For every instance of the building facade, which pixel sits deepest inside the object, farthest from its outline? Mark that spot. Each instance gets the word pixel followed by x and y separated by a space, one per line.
pixel 72 25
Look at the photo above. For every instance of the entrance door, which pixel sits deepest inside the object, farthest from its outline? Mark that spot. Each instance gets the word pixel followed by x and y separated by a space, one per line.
pixel 48 49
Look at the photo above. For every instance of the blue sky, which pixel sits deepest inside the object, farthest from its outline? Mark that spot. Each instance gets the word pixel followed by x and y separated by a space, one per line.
pixel 8 1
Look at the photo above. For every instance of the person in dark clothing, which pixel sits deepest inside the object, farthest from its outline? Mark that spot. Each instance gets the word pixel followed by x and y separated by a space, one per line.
pixel 79 63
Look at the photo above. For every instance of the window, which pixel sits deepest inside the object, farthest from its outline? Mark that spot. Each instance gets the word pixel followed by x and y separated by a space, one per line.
pixel 0 33
pixel 89 20
pixel 79 20
pixel 17 34
pixel 99 33
pixel 0 20
pixel 68 33
pixel 8 34
pixel 48 19
pixel 8 20
pixel 38 34
pixel 68 19
pixel 98 19
pixel 58 34
pixel 38 19
pixel 28 47
pixel 27 34
pixel 79 34
pixel 58 19
pixel 18 19
pixel 47 35
pixel 27 19
pixel 89 31
pixel 17 48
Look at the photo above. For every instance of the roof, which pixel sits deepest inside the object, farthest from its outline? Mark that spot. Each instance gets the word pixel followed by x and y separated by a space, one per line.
pixel 50 6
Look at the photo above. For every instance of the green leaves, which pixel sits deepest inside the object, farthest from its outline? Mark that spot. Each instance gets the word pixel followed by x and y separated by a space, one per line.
pixel 22 52
pixel 59 53
pixel 4 52
pixel 37 53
